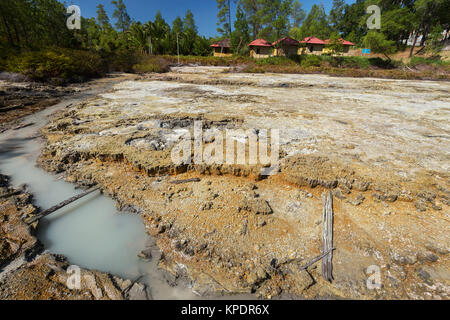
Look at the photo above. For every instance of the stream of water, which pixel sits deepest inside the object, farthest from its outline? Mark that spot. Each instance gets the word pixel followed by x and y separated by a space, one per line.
pixel 91 233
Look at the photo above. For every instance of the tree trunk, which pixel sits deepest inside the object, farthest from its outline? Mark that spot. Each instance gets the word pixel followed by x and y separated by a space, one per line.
pixel 417 34
pixel 8 31
pixel 414 44
pixel 229 16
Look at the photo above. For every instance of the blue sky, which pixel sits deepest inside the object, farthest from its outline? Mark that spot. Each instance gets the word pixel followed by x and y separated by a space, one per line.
pixel 205 11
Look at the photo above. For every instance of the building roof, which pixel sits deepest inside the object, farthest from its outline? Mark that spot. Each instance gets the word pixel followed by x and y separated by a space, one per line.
pixel 343 41
pixel 287 41
pixel 260 43
pixel 226 43
pixel 312 40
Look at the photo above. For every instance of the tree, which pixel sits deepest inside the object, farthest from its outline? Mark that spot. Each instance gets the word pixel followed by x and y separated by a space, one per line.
pixel 377 42
pixel 189 35
pixel 102 17
pixel 427 11
pixel 315 24
pixel 177 32
pixel 121 15
pixel 351 26
pixel 336 15
pixel 298 14
pixel 160 35
pixel 224 17
pixel 138 36
pixel 435 43
pixel 254 14
pixel 276 18
pixel 241 34
pixel 335 44
pixel 397 23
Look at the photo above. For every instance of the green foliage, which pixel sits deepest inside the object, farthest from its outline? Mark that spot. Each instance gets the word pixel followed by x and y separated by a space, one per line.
pixel 378 43
pixel 275 61
pixel 34 24
pixel 311 61
pixel 56 63
pixel 315 24
pixel 241 34
pixel 435 44
pixel 123 20
pixel 150 64
pixel 224 17
pixel 298 14
pixel 335 44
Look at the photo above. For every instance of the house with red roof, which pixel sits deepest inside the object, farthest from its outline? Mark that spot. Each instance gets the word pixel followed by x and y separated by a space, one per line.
pixel 285 47
pixel 346 44
pixel 222 48
pixel 261 48
pixel 312 45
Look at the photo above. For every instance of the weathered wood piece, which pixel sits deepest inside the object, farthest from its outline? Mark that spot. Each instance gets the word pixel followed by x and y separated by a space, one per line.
pixel 327 236
pixel 45 213
pixel 185 181
pixel 318 258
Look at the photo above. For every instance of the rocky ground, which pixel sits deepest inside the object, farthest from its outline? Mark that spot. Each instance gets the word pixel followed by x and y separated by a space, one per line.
pixel 381 147
pixel 19 99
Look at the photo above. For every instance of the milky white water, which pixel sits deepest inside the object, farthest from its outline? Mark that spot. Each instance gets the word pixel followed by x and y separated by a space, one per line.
pixel 91 233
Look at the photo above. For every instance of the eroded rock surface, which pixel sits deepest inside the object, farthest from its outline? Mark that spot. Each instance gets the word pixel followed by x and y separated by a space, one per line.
pixel 380 145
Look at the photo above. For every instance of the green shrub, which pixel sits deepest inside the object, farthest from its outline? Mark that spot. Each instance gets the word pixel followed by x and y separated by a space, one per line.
pixel 277 61
pixel 311 61
pixel 151 64
pixel 383 63
pixel 123 60
pixel 56 63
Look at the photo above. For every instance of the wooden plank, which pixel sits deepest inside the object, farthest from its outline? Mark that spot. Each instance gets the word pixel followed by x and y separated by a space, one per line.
pixel 185 181
pixel 327 236
pixel 45 213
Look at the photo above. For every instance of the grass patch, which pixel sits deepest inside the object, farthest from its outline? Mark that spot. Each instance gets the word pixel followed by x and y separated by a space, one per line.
pixel 348 72
pixel 416 61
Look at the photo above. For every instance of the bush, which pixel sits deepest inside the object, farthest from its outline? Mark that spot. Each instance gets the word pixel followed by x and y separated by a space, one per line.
pixel 383 64
pixel 56 63
pixel 311 61
pixel 151 64
pixel 123 60
pixel 277 61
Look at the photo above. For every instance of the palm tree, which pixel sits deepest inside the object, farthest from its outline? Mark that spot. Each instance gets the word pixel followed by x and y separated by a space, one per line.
pixel 138 36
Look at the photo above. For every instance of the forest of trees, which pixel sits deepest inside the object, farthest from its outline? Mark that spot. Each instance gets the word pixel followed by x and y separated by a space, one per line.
pixel 273 19
pixel 35 24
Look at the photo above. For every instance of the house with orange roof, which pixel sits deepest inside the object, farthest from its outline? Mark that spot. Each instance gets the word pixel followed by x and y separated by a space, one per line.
pixel 222 48
pixel 260 49
pixel 285 47
pixel 311 45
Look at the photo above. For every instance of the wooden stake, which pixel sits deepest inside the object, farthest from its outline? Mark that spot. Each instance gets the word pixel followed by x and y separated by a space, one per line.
pixel 327 236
